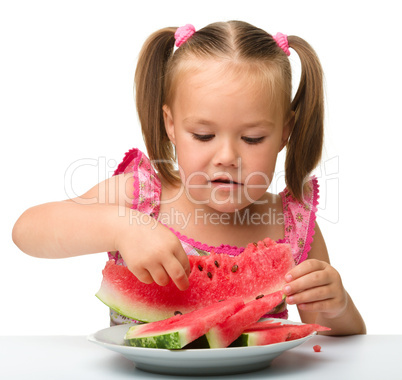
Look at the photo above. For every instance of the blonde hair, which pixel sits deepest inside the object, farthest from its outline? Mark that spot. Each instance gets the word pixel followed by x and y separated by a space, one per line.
pixel 237 43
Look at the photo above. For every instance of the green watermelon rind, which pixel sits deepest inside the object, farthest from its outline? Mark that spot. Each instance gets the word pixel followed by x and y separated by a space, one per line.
pixel 117 302
pixel 172 341
pixel 109 297
pixel 247 339
pixel 242 341
pixel 180 330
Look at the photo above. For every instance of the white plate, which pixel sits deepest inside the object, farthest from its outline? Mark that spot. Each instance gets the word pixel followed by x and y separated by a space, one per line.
pixel 212 361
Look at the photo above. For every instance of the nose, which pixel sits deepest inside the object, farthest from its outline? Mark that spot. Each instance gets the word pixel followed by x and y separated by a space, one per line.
pixel 227 155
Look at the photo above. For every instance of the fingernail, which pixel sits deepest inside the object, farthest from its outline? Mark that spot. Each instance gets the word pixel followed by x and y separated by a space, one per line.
pixel 290 300
pixel 287 289
pixel 288 277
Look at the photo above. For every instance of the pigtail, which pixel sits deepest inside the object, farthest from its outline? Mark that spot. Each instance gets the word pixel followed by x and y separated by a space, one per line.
pixel 306 141
pixel 149 88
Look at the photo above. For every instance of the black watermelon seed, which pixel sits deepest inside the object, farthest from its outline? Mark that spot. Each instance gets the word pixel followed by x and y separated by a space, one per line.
pixel 216 264
pixel 209 274
pixel 235 268
pixel 259 296
pixel 255 244
pixel 221 300
pixel 199 267
pixel 178 313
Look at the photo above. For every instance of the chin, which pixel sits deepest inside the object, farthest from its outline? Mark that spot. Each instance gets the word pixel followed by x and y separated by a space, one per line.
pixel 227 207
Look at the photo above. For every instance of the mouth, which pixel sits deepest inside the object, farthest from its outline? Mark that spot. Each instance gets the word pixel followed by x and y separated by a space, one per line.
pixel 225 181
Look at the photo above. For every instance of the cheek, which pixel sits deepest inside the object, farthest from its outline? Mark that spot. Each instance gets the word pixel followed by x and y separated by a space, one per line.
pixel 190 167
pixel 260 177
pixel 191 157
pixel 261 168
pixel 194 180
pixel 256 184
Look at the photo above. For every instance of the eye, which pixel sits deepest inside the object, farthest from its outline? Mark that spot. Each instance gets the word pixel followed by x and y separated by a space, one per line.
pixel 202 137
pixel 253 140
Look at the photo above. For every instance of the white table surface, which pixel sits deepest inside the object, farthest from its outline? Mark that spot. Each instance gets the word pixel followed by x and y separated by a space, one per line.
pixel 73 357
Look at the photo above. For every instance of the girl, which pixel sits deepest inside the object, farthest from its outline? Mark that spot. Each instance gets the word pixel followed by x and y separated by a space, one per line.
pixel 219 107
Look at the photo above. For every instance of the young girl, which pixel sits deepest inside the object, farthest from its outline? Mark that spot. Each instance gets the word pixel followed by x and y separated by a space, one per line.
pixel 218 107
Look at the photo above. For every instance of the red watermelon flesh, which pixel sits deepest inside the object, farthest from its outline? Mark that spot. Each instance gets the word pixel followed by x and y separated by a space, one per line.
pixel 264 325
pixel 317 348
pixel 260 269
pixel 274 334
pixel 223 334
pixel 179 330
pixel 300 331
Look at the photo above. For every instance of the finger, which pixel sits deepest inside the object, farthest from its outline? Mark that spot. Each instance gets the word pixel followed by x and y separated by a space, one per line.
pixel 304 268
pixel 182 258
pixel 320 293
pixel 177 273
pixel 143 275
pixel 179 252
pixel 318 307
pixel 159 275
pixel 308 281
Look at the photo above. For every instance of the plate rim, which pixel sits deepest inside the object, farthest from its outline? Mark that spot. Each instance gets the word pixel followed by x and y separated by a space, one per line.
pixel 198 361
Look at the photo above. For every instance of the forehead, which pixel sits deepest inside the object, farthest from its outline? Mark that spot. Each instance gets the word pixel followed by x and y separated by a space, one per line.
pixel 225 81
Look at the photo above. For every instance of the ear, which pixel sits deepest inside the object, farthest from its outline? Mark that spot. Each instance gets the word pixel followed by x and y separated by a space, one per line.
pixel 287 129
pixel 169 125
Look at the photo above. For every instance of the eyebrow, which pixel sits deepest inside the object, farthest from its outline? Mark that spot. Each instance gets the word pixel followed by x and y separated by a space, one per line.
pixel 264 122
pixel 193 120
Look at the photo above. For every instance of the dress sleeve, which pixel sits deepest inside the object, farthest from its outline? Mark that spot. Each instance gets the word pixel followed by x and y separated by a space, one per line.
pixel 299 218
pixel 147 186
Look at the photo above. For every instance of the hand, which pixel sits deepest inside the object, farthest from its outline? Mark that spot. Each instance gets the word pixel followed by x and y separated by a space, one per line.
pixel 152 252
pixel 316 286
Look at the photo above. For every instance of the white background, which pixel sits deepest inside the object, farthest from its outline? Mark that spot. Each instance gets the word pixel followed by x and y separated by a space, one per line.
pixel 66 77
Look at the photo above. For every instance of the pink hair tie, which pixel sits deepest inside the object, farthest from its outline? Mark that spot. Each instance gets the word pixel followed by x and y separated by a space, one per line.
pixel 282 42
pixel 183 34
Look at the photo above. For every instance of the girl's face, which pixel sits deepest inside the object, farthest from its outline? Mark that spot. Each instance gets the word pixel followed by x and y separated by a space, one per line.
pixel 227 134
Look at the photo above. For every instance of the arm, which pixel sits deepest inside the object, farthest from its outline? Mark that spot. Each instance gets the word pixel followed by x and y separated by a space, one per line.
pixel 66 229
pixel 74 227
pixel 317 290
pixel 100 221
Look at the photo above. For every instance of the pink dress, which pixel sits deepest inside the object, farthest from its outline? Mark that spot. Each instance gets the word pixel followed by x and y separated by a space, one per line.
pixel 299 219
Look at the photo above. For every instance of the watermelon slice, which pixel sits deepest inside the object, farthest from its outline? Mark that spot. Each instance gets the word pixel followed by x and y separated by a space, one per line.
pixel 256 335
pixel 180 330
pixel 262 325
pixel 269 324
pixel 260 269
pixel 261 337
pixel 222 334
